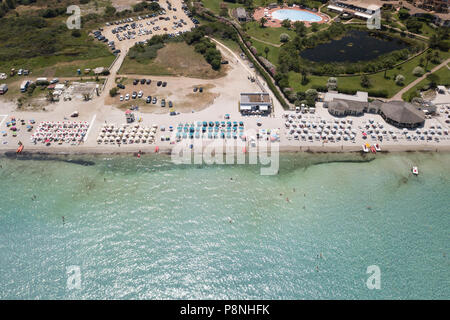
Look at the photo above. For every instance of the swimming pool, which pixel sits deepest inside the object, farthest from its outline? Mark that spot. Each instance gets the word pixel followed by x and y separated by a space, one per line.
pixel 296 15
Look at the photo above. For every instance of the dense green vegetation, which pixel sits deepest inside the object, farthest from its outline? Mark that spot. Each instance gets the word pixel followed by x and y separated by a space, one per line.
pixel 141 53
pixel 35 42
pixel 196 38
pixel 441 76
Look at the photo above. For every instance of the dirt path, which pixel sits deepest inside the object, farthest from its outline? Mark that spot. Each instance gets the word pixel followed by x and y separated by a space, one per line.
pixel 398 95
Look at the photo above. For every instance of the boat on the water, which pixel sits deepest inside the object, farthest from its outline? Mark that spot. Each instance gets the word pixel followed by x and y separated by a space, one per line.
pixel 365 149
pixel 373 150
pixel 377 147
pixel 415 171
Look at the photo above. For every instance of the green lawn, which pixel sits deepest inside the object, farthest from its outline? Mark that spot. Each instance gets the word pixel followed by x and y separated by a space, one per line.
pixel 444 79
pixel 50 50
pixel 268 34
pixel 174 59
pixel 214 5
pixel 378 81
pixel 273 54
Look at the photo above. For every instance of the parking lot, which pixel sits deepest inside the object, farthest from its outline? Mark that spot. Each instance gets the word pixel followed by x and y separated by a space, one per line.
pixel 174 19
pixel 173 94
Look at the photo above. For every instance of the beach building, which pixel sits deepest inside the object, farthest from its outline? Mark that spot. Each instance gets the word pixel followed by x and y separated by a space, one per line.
pixel 402 114
pixel 255 103
pixel 432 5
pixel 341 105
pixel 3 88
pixel 358 8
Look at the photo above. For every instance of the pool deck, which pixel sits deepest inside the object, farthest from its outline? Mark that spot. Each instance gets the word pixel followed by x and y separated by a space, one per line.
pixel 272 22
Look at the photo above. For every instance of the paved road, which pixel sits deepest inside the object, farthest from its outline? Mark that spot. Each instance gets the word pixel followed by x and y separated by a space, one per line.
pixel 398 95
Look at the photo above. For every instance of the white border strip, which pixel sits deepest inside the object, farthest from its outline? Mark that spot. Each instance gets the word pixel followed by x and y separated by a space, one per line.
pixel 90 127
pixel 4 118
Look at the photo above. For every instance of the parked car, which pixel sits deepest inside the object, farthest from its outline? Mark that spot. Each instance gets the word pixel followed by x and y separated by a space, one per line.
pixel 164 84
pixel 154 100
pixel 140 94
pixel 120 86
pixel 149 99
pixel 134 95
pixel 195 89
pixel 121 98
pixel 143 81
pixel 170 104
pixel 159 83
pixel 149 81
pixel 135 81
pixel 200 89
pixel 163 102
pixel 127 97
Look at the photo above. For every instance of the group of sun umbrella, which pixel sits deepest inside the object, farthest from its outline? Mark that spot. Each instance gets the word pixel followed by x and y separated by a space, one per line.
pixel 127 134
pixel 299 127
pixel 70 132
pixel 376 131
pixel 13 126
pixel 210 130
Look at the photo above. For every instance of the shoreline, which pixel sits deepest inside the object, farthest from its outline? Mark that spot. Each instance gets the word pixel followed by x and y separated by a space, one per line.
pixel 127 150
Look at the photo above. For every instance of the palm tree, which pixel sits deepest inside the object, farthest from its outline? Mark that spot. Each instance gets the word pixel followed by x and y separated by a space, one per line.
pixel 387 65
pixel 262 21
pixel 427 58
pixel 266 51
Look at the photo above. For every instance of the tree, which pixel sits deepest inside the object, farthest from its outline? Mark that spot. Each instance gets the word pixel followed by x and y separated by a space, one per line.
pixel 262 21
pixel 428 57
pixel 113 92
pixel 399 79
pixel 110 11
pixel 387 64
pixel 434 40
pixel 403 14
pixel 314 26
pixel 76 33
pixel 286 23
pixel 311 96
pixel 304 73
pixel 418 71
pixel 433 79
pixel 284 37
pixel 365 81
pixel 266 51
pixel 300 28
pixel 413 25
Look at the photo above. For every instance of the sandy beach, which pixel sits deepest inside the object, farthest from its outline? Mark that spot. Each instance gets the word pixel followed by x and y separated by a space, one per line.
pixel 223 100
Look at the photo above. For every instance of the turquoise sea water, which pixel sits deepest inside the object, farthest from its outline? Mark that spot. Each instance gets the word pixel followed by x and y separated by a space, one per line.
pixel 146 228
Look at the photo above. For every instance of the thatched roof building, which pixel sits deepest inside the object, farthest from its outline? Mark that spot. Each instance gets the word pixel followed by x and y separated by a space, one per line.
pixel 402 114
pixel 343 108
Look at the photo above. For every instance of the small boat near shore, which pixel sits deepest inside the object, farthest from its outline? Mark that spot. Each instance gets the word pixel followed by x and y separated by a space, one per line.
pixel 365 149
pixel 377 147
pixel 415 171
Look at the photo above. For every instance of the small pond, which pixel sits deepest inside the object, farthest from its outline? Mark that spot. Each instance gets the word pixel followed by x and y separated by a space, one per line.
pixel 355 46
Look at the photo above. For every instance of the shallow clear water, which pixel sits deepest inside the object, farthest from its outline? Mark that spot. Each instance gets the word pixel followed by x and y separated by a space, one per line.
pixel 145 228
pixel 295 15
